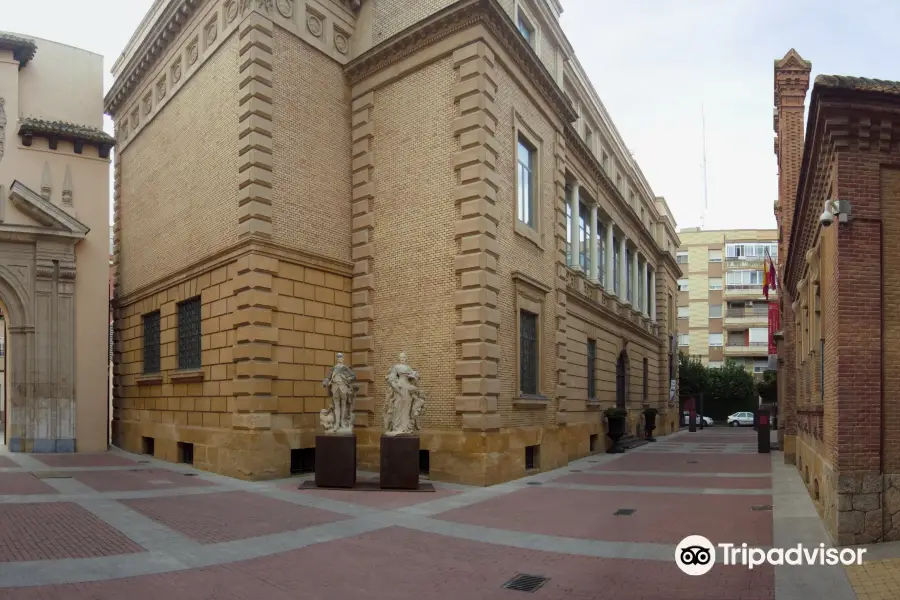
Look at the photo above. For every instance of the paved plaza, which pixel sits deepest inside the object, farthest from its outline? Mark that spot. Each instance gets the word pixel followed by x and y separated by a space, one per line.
pixel 117 525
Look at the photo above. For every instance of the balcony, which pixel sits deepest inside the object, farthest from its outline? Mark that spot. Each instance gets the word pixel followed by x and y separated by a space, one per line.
pixel 744 262
pixel 747 291
pixel 747 349
pixel 744 318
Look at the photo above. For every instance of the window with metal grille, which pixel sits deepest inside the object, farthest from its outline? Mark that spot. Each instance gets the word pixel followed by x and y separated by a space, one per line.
pixel 189 334
pixel 528 353
pixel 646 379
pixel 592 369
pixel 110 342
pixel 151 342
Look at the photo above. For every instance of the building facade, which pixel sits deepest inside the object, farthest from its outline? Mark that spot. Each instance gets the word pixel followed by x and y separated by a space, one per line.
pixel 840 313
pixel 722 311
pixel 54 211
pixel 296 179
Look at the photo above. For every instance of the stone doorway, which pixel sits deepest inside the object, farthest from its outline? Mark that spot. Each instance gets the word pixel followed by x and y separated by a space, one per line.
pixel 622 379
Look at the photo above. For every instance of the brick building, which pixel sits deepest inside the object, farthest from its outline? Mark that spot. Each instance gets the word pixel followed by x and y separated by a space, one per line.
pixel 295 179
pixel 722 311
pixel 840 315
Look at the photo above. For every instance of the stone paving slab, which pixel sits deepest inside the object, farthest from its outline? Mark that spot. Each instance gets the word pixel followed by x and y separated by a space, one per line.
pixel 7 463
pixel 58 530
pixel 382 499
pixel 689 463
pixel 23 484
pixel 134 480
pixel 693 481
pixel 664 518
pixel 227 516
pixel 83 460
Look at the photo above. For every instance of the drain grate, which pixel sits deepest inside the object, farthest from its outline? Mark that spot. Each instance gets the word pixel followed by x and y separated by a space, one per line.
pixel 50 475
pixel 535 483
pixel 143 462
pixel 761 507
pixel 624 512
pixel 575 471
pixel 190 474
pixel 692 462
pixel 526 583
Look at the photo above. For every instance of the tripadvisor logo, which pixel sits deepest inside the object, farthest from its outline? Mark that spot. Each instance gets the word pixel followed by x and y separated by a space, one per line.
pixel 696 555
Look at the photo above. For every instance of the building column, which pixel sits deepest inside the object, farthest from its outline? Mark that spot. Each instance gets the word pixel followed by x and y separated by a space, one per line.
pixel 645 300
pixel 574 240
pixel 610 258
pixel 652 298
pixel 634 276
pixel 623 270
pixel 594 271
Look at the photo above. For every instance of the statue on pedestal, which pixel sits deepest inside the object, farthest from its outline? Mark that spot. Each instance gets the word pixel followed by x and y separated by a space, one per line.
pixel 341 380
pixel 404 401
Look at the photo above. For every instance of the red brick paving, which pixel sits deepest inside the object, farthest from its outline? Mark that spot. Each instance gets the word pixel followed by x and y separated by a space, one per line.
pixel 705 463
pixel 661 518
pixel 376 499
pixel 84 460
pixel 687 481
pixel 7 463
pixel 398 563
pixel 23 483
pixel 45 531
pixel 132 481
pixel 227 516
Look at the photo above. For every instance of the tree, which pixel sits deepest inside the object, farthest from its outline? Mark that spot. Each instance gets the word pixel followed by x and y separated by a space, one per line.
pixel 767 387
pixel 729 389
pixel 692 375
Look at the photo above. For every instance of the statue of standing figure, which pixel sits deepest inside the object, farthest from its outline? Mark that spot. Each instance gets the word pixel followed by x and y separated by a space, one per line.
pixel 339 417
pixel 404 401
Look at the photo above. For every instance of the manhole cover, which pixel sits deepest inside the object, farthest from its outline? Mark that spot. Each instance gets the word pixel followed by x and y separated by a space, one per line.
pixel 624 512
pixel 535 483
pixel 761 507
pixel 526 583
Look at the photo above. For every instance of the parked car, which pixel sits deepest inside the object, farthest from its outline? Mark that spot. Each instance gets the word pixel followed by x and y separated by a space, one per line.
pixel 738 419
pixel 686 420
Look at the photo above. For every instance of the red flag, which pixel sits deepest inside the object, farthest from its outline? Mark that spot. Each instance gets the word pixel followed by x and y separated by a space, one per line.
pixel 766 278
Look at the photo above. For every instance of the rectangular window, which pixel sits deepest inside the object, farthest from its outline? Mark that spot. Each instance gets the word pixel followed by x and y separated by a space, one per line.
pixel 568 232
pixel 745 279
pixel 584 235
pixel 628 274
pixel 526 159
pixel 589 138
pixel 682 285
pixel 151 342
pixel 821 370
pixel 715 256
pixel 526 29
pixel 591 369
pixel 681 258
pixel 715 311
pixel 528 353
pixel 189 334
pixel 684 339
pixel 646 380
pixel 619 182
pixel 759 336
pixel 684 312
pixel 715 340
pixel 715 364
pixel 601 253
pixel 616 267
pixel 632 198
pixel 604 160
pixel 111 337
pixel 715 283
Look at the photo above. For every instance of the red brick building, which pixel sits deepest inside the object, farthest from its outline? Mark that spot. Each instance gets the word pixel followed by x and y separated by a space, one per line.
pixel 839 224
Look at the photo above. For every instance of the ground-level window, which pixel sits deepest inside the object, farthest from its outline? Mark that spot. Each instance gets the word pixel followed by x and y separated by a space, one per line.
pixel 592 369
pixel 189 334
pixel 528 353
pixel 151 342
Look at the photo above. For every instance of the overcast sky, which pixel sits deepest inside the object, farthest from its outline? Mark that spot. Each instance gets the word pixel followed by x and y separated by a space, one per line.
pixel 653 63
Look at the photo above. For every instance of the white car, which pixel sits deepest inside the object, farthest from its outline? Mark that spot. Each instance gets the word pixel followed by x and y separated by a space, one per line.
pixel 740 418
pixel 706 420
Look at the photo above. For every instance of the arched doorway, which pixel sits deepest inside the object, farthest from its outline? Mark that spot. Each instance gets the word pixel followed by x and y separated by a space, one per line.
pixel 18 350
pixel 622 379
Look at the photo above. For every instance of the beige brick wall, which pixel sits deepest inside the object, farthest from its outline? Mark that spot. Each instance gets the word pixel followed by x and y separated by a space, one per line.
pixel 390 17
pixel 414 240
pixel 311 150
pixel 179 177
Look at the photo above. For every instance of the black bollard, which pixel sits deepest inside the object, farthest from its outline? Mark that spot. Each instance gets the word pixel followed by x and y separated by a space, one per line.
pixel 762 432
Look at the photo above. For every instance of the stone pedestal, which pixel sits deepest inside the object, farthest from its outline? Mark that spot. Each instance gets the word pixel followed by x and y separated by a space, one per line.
pixel 336 461
pixel 400 462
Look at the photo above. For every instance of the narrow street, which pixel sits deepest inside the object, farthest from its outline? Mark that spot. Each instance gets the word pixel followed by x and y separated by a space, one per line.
pixel 117 526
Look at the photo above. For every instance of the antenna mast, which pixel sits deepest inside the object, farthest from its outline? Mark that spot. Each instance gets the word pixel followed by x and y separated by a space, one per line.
pixel 705 190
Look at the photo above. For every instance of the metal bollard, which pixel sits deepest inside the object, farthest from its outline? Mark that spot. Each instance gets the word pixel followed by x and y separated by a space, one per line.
pixel 762 432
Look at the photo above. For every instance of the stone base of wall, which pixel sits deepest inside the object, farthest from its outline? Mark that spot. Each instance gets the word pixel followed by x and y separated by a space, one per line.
pixel 859 512
pixel 789 447
pixel 891 507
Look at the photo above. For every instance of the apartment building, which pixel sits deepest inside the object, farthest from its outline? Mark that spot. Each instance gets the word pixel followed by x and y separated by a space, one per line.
pixel 297 178
pixel 722 312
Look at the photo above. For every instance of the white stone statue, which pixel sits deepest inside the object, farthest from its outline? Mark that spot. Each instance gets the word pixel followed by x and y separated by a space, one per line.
pixel 404 402
pixel 339 417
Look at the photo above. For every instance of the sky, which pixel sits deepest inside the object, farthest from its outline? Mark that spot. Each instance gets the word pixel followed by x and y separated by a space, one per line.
pixel 654 63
